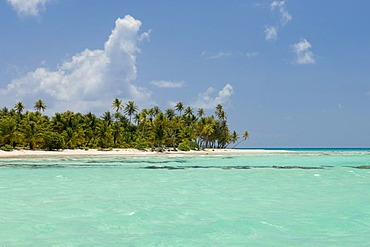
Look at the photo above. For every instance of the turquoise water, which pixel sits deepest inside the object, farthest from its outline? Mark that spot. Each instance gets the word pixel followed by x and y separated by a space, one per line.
pixel 315 198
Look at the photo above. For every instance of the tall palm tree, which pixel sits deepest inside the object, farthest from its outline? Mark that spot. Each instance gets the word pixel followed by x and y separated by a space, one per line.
pixel 137 118
pixel 151 114
pixel 208 131
pixel 179 107
pixel 33 126
pixel 107 117
pixel 200 112
pixel 7 130
pixel 130 109
pixel 170 113
pixel 188 111
pixel 40 105
pixel 160 123
pixel 220 113
pixel 156 110
pixel 189 116
pixel 19 107
pixel 245 137
pixel 117 104
pixel 234 137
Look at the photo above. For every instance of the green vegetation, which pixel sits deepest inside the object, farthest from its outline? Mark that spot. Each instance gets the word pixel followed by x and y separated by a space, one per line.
pixel 53 141
pixel 177 128
pixel 6 148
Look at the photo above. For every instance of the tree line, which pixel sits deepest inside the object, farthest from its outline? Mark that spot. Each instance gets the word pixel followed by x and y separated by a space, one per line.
pixel 180 127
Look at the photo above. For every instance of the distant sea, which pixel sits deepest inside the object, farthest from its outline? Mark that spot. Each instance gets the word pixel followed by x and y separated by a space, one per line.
pixel 314 149
pixel 307 197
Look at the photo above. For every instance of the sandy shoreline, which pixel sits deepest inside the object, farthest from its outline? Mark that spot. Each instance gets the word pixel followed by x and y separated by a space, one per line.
pixel 129 153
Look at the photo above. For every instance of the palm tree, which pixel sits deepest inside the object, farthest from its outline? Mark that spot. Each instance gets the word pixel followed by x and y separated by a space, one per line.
pixel 33 126
pixel 130 109
pixel 40 105
pixel 107 117
pixel 188 112
pixel 137 118
pixel 105 135
pixel 188 116
pixel 7 130
pixel 208 131
pixel 19 107
pixel 117 104
pixel 234 137
pixel 245 137
pixel 117 129
pixel 179 107
pixel 170 113
pixel 90 123
pixel 156 110
pixel 220 113
pixel 160 123
pixel 200 112
pixel 5 111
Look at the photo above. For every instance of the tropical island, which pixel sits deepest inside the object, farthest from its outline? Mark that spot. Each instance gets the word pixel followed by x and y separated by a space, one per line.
pixel 178 128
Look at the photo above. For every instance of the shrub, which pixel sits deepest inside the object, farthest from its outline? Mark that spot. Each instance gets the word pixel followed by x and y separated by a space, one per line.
pixel 141 145
pixel 53 141
pixel 183 146
pixel 7 148
pixel 193 145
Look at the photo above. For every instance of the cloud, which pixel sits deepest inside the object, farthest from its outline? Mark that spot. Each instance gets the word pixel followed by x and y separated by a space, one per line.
pixel 145 36
pixel 91 79
pixel 271 33
pixel 28 7
pixel 220 54
pixel 303 52
pixel 251 54
pixel 167 84
pixel 285 17
pixel 206 101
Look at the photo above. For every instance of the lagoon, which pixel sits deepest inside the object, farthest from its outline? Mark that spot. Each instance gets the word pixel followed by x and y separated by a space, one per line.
pixel 296 198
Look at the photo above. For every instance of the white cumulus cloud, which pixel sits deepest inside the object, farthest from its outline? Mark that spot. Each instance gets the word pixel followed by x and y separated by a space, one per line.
pixel 167 84
pixel 271 33
pixel 91 79
pixel 285 17
pixel 28 7
pixel 303 52
pixel 210 99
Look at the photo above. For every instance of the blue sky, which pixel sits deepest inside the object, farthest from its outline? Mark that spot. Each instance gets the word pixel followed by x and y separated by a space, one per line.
pixel 292 73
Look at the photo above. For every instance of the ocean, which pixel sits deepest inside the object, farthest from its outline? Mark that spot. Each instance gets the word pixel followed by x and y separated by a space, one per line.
pixel 315 197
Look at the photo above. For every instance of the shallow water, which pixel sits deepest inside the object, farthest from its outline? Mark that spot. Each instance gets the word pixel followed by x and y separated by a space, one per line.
pixel 316 198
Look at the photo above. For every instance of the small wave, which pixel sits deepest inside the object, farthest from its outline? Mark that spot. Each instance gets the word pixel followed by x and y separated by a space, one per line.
pixel 269 224
pixel 33 166
pixel 231 167
pixel 134 161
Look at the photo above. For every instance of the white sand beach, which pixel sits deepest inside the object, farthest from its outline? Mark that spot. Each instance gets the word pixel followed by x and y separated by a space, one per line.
pixel 129 152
